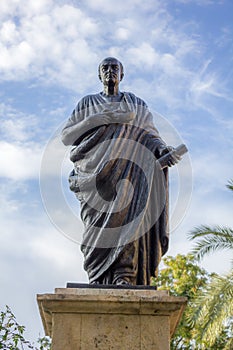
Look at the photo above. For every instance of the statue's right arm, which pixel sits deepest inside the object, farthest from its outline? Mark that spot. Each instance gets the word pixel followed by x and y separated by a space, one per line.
pixel 73 132
pixel 75 129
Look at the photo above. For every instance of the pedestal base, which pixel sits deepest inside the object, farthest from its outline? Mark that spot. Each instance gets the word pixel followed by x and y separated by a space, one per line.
pixel 86 319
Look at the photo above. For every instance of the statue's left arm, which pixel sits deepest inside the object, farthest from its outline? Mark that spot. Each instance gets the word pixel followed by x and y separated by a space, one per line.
pixel 163 148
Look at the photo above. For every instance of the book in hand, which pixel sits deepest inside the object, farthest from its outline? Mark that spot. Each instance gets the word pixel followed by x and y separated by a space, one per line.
pixel 180 150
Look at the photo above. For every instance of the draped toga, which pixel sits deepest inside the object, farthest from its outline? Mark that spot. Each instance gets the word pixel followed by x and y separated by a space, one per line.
pixel 122 191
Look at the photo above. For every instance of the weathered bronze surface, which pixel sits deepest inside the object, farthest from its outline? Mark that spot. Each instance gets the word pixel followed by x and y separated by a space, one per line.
pixel 123 191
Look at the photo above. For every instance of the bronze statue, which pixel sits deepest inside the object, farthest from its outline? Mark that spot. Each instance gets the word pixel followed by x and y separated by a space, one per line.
pixel 122 189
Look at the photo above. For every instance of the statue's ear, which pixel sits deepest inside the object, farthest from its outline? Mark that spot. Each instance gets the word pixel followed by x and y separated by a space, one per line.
pixel 122 75
pixel 100 77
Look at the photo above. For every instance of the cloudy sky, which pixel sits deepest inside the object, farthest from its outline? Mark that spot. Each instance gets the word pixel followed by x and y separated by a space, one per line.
pixel 177 56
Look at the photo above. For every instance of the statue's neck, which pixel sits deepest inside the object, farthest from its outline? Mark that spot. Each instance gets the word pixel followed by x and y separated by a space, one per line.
pixel 111 90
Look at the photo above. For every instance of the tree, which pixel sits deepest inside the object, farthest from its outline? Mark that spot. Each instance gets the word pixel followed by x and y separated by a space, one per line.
pixel 214 305
pixel 12 334
pixel 183 277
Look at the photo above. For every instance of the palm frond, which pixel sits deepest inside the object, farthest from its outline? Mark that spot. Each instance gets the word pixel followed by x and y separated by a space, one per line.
pixel 218 308
pixel 204 230
pixel 230 184
pixel 214 309
pixel 212 239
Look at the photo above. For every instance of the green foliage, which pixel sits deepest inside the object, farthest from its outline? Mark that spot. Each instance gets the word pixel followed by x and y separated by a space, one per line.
pixel 45 343
pixel 212 317
pixel 230 185
pixel 212 239
pixel 183 277
pixel 12 334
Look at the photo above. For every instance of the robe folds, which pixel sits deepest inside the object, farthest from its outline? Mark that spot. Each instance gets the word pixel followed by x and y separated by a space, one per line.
pixel 123 193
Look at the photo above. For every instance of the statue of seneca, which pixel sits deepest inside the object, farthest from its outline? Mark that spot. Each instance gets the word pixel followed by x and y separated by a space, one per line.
pixel 123 193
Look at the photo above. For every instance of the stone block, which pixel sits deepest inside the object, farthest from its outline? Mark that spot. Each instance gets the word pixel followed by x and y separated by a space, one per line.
pixel 110 319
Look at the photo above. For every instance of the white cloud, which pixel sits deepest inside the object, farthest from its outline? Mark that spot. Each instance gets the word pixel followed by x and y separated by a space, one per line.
pixel 7 8
pixel 9 32
pixel 144 55
pixel 34 256
pixel 35 7
pixel 15 125
pixel 122 33
pixel 28 8
pixel 109 6
pixel 20 155
pixel 47 44
pixel 67 17
pixel 62 43
pixel 19 162
pixel 16 59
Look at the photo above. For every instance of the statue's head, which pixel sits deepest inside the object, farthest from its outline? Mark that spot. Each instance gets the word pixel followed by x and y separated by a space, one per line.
pixel 110 69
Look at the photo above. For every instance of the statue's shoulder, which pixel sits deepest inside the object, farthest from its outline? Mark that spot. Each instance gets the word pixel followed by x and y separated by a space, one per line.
pixel 132 98
pixel 88 101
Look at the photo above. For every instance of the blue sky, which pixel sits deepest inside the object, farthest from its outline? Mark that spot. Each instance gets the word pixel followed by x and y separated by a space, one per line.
pixel 177 57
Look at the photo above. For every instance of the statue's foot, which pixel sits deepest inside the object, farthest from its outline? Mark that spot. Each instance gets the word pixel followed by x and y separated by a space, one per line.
pixel 122 281
pixel 95 282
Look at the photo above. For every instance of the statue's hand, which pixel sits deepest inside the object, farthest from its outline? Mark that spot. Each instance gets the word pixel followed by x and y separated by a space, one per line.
pixel 99 119
pixel 174 157
pixel 123 117
pixel 108 117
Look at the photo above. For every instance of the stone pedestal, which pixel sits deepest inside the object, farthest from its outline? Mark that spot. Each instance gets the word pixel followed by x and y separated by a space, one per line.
pixel 116 319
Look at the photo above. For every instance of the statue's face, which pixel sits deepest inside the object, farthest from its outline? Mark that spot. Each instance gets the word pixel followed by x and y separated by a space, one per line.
pixel 110 71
